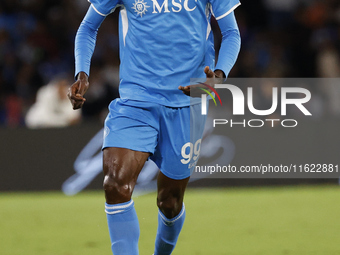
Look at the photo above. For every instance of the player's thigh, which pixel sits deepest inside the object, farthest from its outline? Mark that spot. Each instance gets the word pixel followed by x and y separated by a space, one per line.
pixel 130 137
pixel 122 163
pixel 121 169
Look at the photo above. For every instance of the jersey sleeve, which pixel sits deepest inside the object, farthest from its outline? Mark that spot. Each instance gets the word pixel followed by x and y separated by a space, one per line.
pixel 221 8
pixel 85 40
pixel 104 7
pixel 231 43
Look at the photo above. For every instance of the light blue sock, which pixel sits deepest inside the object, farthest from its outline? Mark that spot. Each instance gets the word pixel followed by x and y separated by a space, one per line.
pixel 168 232
pixel 123 227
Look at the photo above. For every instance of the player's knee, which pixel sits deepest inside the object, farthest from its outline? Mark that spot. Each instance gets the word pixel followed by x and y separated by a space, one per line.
pixel 118 188
pixel 116 191
pixel 170 206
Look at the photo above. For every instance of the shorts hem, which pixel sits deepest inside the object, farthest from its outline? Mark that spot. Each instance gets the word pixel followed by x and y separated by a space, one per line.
pixel 175 177
pixel 126 147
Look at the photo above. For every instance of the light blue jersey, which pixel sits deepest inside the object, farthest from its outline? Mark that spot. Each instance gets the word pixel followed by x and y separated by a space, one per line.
pixel 163 43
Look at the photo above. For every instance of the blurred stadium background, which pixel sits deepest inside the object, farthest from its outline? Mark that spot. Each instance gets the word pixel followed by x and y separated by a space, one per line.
pixel 290 38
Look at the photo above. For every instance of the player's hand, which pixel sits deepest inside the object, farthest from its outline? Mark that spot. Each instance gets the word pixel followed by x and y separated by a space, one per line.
pixel 77 90
pixel 192 89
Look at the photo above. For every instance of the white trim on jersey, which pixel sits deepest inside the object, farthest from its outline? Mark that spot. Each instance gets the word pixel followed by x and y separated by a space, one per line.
pixel 101 14
pixel 211 9
pixel 208 31
pixel 207 13
pixel 125 22
pixel 228 12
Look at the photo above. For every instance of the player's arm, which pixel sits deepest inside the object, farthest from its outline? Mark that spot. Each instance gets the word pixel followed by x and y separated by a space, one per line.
pixel 230 46
pixel 85 42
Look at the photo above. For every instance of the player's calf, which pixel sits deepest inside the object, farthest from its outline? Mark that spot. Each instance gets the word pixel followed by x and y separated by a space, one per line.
pixel 171 213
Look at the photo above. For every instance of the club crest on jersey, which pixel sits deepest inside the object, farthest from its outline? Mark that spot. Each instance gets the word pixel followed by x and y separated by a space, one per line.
pixel 140 7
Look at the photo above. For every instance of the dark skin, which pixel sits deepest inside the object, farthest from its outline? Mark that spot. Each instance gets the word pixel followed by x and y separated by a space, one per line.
pixel 210 74
pixel 122 166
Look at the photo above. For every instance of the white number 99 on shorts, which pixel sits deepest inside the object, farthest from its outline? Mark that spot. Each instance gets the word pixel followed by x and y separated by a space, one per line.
pixel 190 151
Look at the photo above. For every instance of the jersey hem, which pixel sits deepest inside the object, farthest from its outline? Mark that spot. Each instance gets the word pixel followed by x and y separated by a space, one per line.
pixel 192 101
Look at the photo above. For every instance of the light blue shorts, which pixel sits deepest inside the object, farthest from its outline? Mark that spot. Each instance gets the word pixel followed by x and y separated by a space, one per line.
pixel 171 135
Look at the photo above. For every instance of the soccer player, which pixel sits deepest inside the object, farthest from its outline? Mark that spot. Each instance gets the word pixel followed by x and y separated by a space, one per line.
pixel 163 44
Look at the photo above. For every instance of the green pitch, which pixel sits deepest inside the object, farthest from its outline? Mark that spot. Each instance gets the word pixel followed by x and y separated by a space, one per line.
pixel 251 221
